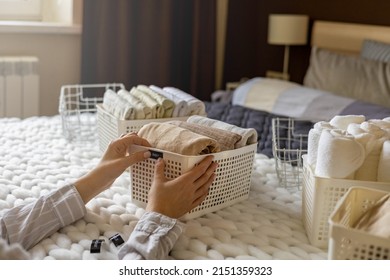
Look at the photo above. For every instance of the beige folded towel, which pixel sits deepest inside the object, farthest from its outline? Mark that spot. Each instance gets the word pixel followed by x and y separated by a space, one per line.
pixel 226 139
pixel 117 106
pixel 376 220
pixel 196 107
pixel 169 137
pixel 249 135
pixel 141 110
pixel 166 103
pixel 181 108
pixel 157 109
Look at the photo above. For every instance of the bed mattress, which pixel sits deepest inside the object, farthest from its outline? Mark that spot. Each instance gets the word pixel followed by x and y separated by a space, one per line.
pixel 35 158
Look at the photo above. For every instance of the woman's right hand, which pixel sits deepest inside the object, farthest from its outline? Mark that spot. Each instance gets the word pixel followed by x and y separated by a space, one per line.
pixel 174 198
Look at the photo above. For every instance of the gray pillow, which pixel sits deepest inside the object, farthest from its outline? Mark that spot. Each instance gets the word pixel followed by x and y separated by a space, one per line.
pixel 349 76
pixel 375 50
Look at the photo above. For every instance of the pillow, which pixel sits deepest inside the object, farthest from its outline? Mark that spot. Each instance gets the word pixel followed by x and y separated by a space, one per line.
pixel 349 76
pixel 375 50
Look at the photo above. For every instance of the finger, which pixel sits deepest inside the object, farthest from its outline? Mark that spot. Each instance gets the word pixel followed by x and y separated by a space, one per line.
pixel 207 174
pixel 204 189
pixel 159 170
pixel 197 171
pixel 132 138
pixel 136 157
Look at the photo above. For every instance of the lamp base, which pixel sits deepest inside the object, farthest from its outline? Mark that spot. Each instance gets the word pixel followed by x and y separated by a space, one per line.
pixel 277 75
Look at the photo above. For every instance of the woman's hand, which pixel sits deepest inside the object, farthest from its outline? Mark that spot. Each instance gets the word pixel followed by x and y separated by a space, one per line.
pixel 114 162
pixel 174 198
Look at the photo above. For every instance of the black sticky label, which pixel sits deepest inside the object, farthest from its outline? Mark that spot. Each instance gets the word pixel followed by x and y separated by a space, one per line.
pixel 96 246
pixel 117 240
pixel 155 154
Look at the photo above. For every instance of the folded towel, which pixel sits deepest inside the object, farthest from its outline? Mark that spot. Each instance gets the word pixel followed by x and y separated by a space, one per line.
pixel 157 109
pixel 181 107
pixel 249 135
pixel 339 154
pixel 342 122
pixel 376 220
pixel 141 111
pixel 196 107
pixel 368 171
pixel 117 106
pixel 165 102
pixel 313 139
pixel 169 137
pixel 226 139
pixel 384 163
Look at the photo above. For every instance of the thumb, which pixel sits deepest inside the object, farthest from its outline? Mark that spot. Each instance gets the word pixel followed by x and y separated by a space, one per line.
pixel 159 170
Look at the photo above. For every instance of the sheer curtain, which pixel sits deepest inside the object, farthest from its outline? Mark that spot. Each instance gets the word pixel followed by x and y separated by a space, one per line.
pixel 160 42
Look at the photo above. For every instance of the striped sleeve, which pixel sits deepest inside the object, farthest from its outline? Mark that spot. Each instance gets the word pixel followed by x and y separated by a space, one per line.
pixel 153 238
pixel 28 224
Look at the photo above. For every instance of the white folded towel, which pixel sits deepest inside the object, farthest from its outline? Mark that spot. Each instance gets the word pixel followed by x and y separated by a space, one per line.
pixel 181 107
pixel 384 163
pixel 196 107
pixel 313 139
pixel 249 135
pixel 117 106
pixel 141 110
pixel 157 108
pixel 342 122
pixel 339 154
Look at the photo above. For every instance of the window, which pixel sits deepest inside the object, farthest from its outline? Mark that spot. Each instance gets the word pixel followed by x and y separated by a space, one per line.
pixel 21 10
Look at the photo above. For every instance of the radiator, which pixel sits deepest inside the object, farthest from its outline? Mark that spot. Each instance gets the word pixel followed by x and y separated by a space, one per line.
pixel 19 86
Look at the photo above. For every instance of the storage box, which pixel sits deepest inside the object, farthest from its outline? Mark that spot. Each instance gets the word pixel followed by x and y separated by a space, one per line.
pixel 110 127
pixel 352 244
pixel 319 198
pixel 288 146
pixel 231 185
pixel 77 107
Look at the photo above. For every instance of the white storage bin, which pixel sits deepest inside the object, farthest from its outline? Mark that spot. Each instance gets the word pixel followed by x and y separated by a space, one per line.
pixel 110 127
pixel 352 244
pixel 77 107
pixel 231 185
pixel 319 198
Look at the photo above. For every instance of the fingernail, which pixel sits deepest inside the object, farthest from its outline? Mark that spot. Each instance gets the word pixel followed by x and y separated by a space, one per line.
pixel 147 154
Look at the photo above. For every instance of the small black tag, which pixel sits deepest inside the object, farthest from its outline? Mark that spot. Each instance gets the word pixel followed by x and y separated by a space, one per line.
pixel 155 154
pixel 117 240
pixel 96 245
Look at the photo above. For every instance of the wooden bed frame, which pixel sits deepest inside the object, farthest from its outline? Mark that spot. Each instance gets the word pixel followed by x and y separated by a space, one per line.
pixel 346 37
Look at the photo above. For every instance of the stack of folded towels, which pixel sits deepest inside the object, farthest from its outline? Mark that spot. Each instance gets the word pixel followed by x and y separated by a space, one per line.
pixel 351 147
pixel 197 136
pixel 151 102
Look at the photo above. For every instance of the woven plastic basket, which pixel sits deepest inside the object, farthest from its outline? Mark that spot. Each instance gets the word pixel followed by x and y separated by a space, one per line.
pixel 231 185
pixel 352 244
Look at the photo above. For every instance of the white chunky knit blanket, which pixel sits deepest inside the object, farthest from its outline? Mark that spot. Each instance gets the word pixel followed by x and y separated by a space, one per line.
pixel 36 158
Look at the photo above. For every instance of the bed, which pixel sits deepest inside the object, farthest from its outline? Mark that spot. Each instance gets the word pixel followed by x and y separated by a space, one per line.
pixel 35 158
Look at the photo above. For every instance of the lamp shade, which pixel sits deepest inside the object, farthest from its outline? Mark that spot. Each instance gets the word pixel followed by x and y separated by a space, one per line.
pixel 287 29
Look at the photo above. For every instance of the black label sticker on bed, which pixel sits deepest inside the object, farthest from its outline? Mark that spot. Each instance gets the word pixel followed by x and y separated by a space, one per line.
pixel 96 245
pixel 117 240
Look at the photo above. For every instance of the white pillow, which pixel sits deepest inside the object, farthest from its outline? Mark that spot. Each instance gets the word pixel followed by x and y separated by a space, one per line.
pixel 375 50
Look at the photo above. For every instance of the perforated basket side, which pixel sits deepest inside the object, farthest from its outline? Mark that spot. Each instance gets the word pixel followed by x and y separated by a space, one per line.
pixel 319 198
pixel 231 185
pixel 348 243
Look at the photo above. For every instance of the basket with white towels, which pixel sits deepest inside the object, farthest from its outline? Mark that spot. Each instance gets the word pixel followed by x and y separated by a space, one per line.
pixel 197 136
pixel 151 102
pixel 350 147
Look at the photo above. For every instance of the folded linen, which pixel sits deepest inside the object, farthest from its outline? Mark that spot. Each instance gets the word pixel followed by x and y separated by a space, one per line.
pixel 342 122
pixel 339 155
pixel 117 106
pixel 156 108
pixel 196 107
pixel 248 135
pixel 384 163
pixel 376 220
pixel 313 139
pixel 165 102
pixel 226 139
pixel 141 111
pixel 181 107
pixel 169 137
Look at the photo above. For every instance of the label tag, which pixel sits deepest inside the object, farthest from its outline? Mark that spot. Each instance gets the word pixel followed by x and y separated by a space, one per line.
pixel 96 245
pixel 117 239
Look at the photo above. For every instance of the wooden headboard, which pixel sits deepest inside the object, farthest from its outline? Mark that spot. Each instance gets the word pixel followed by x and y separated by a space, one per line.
pixel 346 37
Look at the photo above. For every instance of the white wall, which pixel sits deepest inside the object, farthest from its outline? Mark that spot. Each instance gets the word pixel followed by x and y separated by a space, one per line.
pixel 58 48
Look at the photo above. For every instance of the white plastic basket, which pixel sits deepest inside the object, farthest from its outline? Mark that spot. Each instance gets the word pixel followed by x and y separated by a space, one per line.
pixel 319 198
pixel 352 244
pixel 288 146
pixel 110 127
pixel 231 185
pixel 77 107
